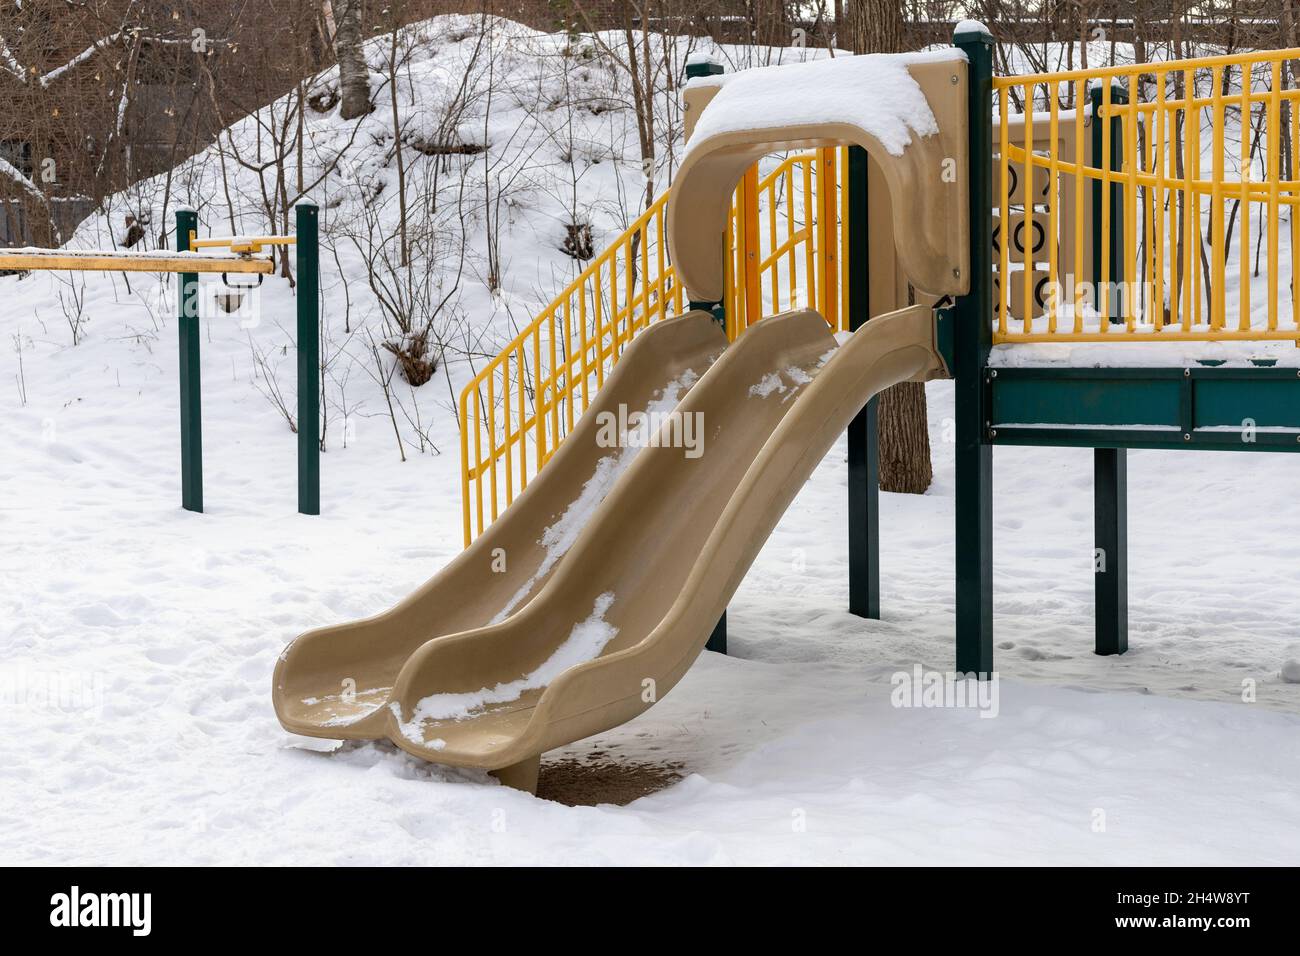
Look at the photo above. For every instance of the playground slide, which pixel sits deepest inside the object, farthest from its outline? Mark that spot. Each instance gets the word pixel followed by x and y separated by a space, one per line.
pixel 633 602
pixel 335 681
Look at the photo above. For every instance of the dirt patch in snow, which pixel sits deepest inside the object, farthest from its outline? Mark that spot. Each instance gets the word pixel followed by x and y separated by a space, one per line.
pixel 599 777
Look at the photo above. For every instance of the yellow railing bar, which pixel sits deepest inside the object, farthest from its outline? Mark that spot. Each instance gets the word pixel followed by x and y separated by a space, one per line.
pixel 243 245
pixel 1259 190
pixel 525 399
pixel 58 260
pixel 1229 59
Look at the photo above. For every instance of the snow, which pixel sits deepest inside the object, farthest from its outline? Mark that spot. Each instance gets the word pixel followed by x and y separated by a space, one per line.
pixel 965 27
pixel 874 92
pixel 775 382
pixel 138 639
pixel 163 254
pixel 584 643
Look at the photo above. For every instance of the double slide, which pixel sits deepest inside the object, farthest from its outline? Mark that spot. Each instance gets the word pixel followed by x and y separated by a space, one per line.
pixel 618 561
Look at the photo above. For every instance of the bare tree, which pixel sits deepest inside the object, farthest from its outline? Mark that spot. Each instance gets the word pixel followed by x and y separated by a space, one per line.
pixel 904 435
pixel 354 75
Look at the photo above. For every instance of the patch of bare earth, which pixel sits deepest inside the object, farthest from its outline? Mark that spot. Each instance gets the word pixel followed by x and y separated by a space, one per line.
pixel 585 780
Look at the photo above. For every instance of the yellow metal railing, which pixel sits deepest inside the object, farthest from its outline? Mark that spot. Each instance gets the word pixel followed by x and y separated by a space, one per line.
pixel 1197 159
pixel 785 250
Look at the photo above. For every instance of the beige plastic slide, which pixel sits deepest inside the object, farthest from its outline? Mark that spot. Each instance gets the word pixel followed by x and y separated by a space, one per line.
pixel 335 681
pixel 633 602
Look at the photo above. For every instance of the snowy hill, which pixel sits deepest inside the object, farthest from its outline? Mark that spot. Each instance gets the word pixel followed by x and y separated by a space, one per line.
pixel 495 163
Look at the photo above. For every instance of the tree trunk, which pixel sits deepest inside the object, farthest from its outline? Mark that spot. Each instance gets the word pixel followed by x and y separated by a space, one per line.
pixel 876 26
pixel 354 76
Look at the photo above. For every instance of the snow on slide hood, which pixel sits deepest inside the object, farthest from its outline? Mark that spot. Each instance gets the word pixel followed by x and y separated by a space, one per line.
pixel 874 92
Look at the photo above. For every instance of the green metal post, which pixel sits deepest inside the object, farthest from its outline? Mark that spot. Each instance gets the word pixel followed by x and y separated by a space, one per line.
pixel 864 451
pixel 718 639
pixel 308 255
pixel 1110 560
pixel 1115 238
pixel 973 316
pixel 187 313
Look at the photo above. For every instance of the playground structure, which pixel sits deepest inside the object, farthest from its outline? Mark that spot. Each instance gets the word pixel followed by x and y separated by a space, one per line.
pixel 617 573
pixel 224 255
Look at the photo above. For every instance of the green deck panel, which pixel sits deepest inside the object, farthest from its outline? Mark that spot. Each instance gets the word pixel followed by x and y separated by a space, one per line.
pixel 1178 404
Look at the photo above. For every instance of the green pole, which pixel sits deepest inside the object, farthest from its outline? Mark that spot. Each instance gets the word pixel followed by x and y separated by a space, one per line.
pixel 308 246
pixel 718 639
pixel 973 318
pixel 1115 240
pixel 187 309
pixel 864 449
pixel 1110 465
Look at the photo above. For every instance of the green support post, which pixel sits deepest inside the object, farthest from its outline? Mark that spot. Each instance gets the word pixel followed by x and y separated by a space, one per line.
pixel 864 450
pixel 973 315
pixel 1110 560
pixel 1115 240
pixel 187 313
pixel 1110 471
pixel 718 639
pixel 308 256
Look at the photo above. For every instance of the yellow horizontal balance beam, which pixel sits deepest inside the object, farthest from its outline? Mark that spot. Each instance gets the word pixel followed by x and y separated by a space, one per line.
pixel 109 261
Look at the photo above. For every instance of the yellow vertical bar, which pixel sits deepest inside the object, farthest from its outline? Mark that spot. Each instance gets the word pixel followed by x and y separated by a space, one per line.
pixel 753 287
pixel 1053 215
pixel 773 242
pixel 464 469
pixel 842 247
pixel 1194 218
pixel 1191 150
pixel 843 320
pixel 792 274
pixel 731 269
pixel 598 324
pixel 1004 212
pixel 1219 303
pixel 645 271
pixel 1295 211
pixel 523 418
pixel 629 286
pixel 586 346
pixel 1243 280
pixel 1148 215
pixel 478 457
pixel 1158 233
pixel 809 252
pixel 826 202
pixel 1106 180
pixel 659 256
pixel 568 360
pixel 492 441
pixel 1027 215
pixel 1274 123
pixel 1130 200
pixel 508 388
pixel 1080 215
pixel 539 389
pixel 614 337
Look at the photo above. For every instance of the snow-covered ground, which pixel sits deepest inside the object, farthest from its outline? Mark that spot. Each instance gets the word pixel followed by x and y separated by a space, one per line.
pixel 161 628
pixel 137 640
